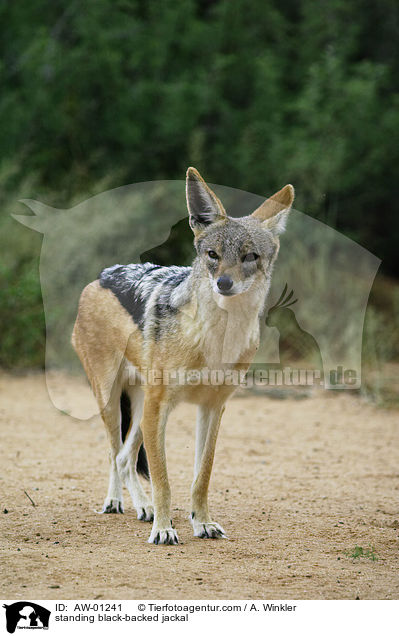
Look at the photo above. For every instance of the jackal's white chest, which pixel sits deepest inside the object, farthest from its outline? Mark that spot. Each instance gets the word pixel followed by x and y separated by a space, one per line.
pixel 228 332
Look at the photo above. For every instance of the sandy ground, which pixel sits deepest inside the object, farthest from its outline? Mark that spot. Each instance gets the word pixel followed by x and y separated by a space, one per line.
pixel 296 484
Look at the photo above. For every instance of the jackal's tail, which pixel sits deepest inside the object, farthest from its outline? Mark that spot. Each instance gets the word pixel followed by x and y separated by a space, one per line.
pixel 142 463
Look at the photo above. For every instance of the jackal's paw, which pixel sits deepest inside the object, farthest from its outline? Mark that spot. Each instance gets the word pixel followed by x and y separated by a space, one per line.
pixel 167 536
pixel 112 506
pixel 210 530
pixel 145 513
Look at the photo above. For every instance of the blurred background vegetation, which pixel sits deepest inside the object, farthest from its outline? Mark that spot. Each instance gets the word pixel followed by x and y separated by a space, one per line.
pixel 255 94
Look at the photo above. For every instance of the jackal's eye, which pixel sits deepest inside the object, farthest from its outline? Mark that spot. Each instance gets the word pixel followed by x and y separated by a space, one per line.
pixel 250 258
pixel 213 255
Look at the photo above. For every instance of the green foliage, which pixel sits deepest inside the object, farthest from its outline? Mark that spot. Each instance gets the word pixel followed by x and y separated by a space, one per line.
pixel 22 328
pixel 98 94
pixel 22 320
pixel 358 552
pixel 254 94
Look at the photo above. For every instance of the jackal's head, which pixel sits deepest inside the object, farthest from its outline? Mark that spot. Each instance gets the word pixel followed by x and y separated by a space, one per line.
pixel 235 252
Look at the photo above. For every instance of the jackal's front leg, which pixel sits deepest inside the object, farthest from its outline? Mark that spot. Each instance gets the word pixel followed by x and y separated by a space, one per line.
pixel 153 425
pixel 208 423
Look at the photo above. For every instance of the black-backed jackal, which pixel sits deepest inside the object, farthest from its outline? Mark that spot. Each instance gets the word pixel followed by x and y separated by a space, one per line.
pixel 140 318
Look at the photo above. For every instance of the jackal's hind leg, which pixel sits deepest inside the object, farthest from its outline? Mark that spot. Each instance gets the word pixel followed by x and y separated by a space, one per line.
pixel 127 458
pixel 110 414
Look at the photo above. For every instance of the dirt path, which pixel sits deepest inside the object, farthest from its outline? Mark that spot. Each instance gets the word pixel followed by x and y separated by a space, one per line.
pixel 295 484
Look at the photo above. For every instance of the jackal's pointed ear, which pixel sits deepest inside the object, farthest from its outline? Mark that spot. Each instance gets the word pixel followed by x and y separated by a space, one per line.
pixel 275 210
pixel 203 205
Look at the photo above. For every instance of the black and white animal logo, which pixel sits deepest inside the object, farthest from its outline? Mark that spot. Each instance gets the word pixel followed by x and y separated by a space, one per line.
pixel 26 615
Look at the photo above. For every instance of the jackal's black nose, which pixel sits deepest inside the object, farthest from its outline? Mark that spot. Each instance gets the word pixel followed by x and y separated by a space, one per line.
pixel 224 283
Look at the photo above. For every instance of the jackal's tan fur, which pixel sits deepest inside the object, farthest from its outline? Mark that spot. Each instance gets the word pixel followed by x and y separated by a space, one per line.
pixel 208 318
